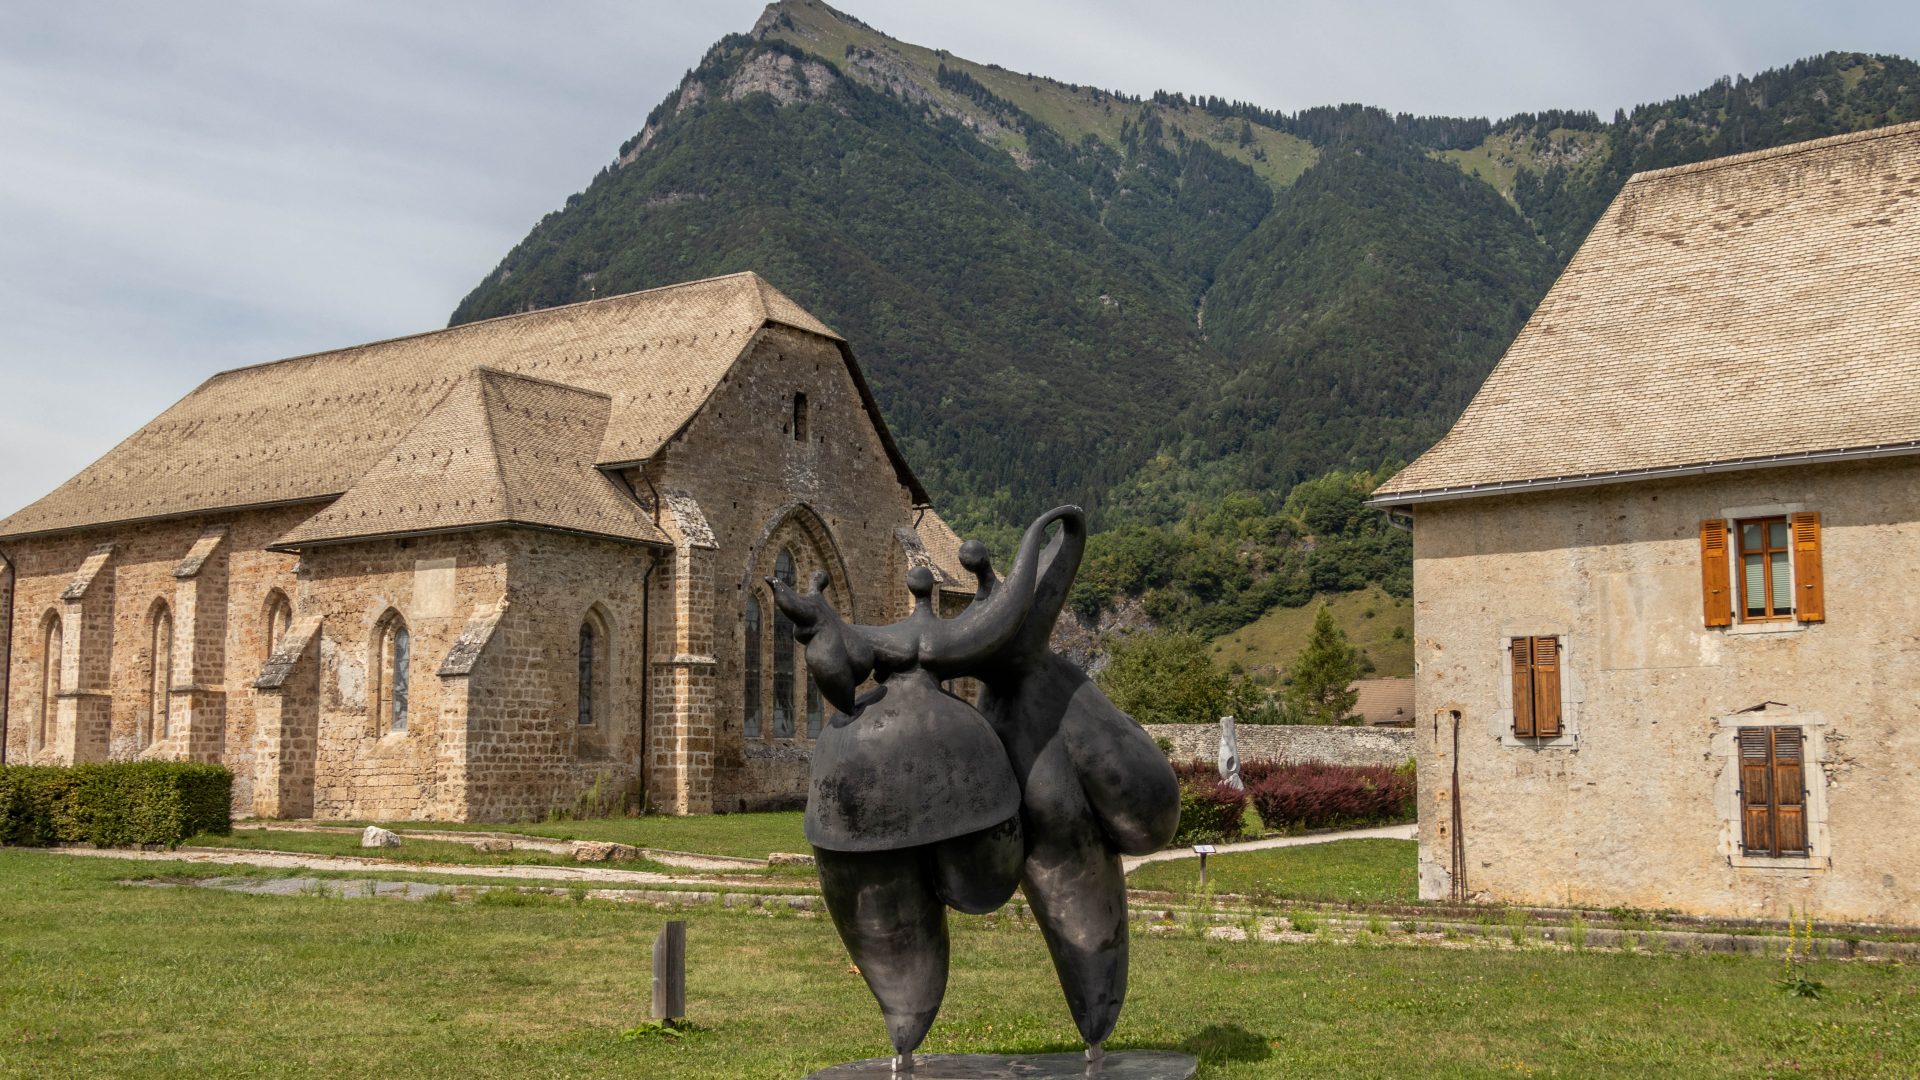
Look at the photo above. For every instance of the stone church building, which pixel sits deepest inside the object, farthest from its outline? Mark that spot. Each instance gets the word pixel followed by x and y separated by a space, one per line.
pixel 1666 624
pixel 482 573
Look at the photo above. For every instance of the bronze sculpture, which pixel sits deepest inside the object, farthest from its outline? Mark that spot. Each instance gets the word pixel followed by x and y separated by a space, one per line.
pixel 919 802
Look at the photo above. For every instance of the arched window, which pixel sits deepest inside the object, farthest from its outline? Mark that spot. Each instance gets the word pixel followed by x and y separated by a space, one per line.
pixel 799 418
pixel 52 651
pixel 587 687
pixel 278 618
pixel 391 676
pixel 750 722
pixel 783 650
pixel 160 675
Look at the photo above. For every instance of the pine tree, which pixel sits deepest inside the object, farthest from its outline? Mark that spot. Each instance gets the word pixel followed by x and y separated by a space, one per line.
pixel 1322 676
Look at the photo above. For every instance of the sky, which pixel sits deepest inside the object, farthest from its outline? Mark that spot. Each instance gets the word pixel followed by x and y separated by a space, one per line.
pixel 199 185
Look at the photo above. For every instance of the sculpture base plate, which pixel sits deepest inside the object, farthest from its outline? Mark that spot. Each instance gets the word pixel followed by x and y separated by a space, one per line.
pixel 1120 1065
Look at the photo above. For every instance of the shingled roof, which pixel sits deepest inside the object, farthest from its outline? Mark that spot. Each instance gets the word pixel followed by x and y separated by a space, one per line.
pixel 499 449
pixel 1754 310
pixel 311 427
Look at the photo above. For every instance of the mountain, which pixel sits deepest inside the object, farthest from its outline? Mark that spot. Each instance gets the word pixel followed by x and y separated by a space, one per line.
pixel 1169 299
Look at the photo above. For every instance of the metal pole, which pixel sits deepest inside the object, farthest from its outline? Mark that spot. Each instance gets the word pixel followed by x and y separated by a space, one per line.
pixel 670 973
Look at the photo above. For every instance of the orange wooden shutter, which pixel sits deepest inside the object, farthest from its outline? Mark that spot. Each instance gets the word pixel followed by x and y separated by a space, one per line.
pixel 1810 599
pixel 1714 571
pixel 1523 687
pixel 1789 793
pixel 1546 687
pixel 1756 780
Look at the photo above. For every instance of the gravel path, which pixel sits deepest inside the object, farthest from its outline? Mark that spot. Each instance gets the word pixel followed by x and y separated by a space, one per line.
pixel 1383 832
pixel 293 861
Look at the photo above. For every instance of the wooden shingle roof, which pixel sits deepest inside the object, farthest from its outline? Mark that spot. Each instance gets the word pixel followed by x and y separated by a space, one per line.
pixel 1753 310
pixel 498 449
pixel 311 427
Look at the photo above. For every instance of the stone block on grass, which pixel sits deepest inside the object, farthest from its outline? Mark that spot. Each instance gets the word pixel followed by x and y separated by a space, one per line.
pixel 377 837
pixel 602 851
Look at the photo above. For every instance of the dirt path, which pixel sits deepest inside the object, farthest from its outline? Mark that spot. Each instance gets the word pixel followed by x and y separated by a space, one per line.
pixel 285 860
pixel 685 860
pixel 1383 832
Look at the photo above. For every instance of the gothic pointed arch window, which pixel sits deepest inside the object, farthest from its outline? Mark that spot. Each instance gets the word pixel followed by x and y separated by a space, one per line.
pixel 392 681
pixel 52 653
pixel 784 648
pixel 595 661
pixel 750 721
pixel 159 674
pixel 276 619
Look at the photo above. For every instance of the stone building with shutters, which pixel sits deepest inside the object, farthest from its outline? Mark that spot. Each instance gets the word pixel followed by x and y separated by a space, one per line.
pixel 1667 643
pixel 482 573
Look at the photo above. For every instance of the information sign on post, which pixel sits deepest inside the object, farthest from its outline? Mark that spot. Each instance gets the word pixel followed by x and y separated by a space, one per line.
pixel 1203 850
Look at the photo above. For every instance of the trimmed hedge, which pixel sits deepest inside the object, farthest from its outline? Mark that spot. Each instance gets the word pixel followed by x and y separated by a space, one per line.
pixel 1324 796
pixel 113 803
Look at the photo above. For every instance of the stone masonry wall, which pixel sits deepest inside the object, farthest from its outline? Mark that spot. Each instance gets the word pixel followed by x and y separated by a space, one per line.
pixel 435 583
pixel 218 646
pixel 526 752
pixel 833 499
pixel 1637 804
pixel 1291 743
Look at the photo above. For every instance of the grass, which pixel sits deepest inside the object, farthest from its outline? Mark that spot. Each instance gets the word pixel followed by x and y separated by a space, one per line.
pixel 1073 111
pixel 1501 155
pixel 1343 871
pixel 1267 645
pixel 751 836
pixel 104 980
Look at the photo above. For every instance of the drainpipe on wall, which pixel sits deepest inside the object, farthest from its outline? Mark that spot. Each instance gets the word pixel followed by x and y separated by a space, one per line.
pixel 646 677
pixel 1459 850
pixel 6 651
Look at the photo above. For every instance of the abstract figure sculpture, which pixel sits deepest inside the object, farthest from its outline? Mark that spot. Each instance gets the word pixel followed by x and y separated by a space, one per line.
pixel 919 802
pixel 1228 758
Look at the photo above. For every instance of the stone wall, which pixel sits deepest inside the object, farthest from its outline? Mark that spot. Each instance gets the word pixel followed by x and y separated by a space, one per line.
pixel 434 584
pixel 832 499
pixel 1292 743
pixel 212 589
pixel 526 751
pixel 1637 803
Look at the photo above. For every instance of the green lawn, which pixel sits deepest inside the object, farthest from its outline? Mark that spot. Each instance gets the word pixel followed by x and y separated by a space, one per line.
pixel 1362 871
pixel 752 836
pixel 99 979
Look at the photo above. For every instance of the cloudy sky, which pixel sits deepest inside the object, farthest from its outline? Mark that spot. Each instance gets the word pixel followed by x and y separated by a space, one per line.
pixel 196 185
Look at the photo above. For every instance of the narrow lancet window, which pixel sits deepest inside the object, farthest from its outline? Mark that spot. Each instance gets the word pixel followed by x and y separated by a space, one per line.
pixel 160 686
pixel 391 673
pixel 784 648
pixel 750 723
pixel 586 673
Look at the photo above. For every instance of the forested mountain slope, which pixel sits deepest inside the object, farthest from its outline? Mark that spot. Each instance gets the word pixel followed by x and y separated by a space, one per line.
pixel 1061 293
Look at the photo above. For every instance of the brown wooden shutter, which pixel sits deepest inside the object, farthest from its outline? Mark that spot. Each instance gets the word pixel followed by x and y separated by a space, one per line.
pixel 1756 779
pixel 1789 793
pixel 1546 687
pixel 1714 572
pixel 1810 592
pixel 1523 687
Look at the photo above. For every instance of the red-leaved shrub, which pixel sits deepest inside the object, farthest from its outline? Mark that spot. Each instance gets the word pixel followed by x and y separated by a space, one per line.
pixel 1323 796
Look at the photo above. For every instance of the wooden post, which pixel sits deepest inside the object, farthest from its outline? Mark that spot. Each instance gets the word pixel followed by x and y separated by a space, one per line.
pixel 670 973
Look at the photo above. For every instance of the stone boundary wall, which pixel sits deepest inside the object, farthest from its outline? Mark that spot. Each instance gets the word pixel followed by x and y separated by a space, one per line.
pixel 1292 743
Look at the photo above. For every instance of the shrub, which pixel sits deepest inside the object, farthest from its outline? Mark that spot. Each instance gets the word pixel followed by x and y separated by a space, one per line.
pixel 1210 812
pixel 1322 796
pixel 105 804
